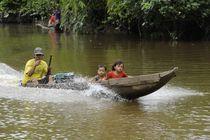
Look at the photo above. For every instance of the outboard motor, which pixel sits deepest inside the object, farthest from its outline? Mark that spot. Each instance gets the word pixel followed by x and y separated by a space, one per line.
pixel 63 77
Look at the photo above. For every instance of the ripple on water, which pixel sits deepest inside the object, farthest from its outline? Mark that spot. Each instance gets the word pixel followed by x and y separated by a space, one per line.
pixel 167 95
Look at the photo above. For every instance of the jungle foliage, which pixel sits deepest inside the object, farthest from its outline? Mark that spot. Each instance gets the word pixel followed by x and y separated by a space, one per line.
pixel 154 19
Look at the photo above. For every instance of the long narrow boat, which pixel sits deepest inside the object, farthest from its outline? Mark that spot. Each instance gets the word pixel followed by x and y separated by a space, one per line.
pixel 129 88
pixel 43 27
pixel 51 28
pixel 138 86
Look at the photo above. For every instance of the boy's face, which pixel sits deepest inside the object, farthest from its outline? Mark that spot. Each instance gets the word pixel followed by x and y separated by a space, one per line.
pixel 119 67
pixel 101 71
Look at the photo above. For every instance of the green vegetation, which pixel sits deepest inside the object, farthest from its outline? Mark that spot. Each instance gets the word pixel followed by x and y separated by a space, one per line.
pixel 23 7
pixel 83 15
pixel 154 19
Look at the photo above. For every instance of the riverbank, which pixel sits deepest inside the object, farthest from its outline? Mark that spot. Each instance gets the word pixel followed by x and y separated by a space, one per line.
pixel 159 20
pixel 16 18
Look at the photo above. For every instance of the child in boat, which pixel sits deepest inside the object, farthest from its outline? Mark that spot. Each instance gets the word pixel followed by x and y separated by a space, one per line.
pixel 117 70
pixel 101 74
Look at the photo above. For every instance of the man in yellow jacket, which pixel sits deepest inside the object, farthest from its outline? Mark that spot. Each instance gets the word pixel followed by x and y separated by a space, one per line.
pixel 36 68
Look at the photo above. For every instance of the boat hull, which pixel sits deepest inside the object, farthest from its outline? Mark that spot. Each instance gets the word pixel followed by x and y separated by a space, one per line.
pixel 138 86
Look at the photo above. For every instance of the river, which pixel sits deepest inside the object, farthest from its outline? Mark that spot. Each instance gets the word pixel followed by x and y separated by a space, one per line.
pixel 179 110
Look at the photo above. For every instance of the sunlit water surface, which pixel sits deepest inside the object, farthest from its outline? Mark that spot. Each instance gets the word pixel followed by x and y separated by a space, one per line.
pixel 179 110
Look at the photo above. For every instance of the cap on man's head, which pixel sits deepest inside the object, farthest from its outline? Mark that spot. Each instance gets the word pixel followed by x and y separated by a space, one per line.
pixel 38 50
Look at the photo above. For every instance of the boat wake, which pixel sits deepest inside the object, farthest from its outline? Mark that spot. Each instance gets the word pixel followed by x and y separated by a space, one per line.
pixel 9 89
pixel 9 76
pixel 166 96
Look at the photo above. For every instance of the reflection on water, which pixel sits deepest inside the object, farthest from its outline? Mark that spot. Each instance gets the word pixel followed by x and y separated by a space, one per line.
pixel 179 110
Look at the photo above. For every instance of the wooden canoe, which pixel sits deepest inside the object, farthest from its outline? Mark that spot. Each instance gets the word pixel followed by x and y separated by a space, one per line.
pixel 56 29
pixel 43 27
pixel 129 88
pixel 138 86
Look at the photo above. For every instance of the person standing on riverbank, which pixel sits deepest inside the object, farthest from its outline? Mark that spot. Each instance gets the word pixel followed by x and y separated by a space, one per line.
pixel 36 69
pixel 52 21
pixel 58 27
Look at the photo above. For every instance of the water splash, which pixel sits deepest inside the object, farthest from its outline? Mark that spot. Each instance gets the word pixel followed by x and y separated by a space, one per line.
pixel 100 91
pixel 169 92
pixel 167 95
pixel 10 89
pixel 9 76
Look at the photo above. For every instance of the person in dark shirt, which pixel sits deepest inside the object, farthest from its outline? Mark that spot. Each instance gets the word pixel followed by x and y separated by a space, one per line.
pixel 58 20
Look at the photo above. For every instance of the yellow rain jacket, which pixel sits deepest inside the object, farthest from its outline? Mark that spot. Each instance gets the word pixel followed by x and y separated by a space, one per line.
pixel 39 72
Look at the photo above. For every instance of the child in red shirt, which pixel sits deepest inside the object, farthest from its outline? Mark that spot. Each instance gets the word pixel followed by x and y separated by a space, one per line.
pixel 117 70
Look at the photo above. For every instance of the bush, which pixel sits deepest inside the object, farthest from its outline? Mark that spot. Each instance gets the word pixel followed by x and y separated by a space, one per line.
pixel 154 19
